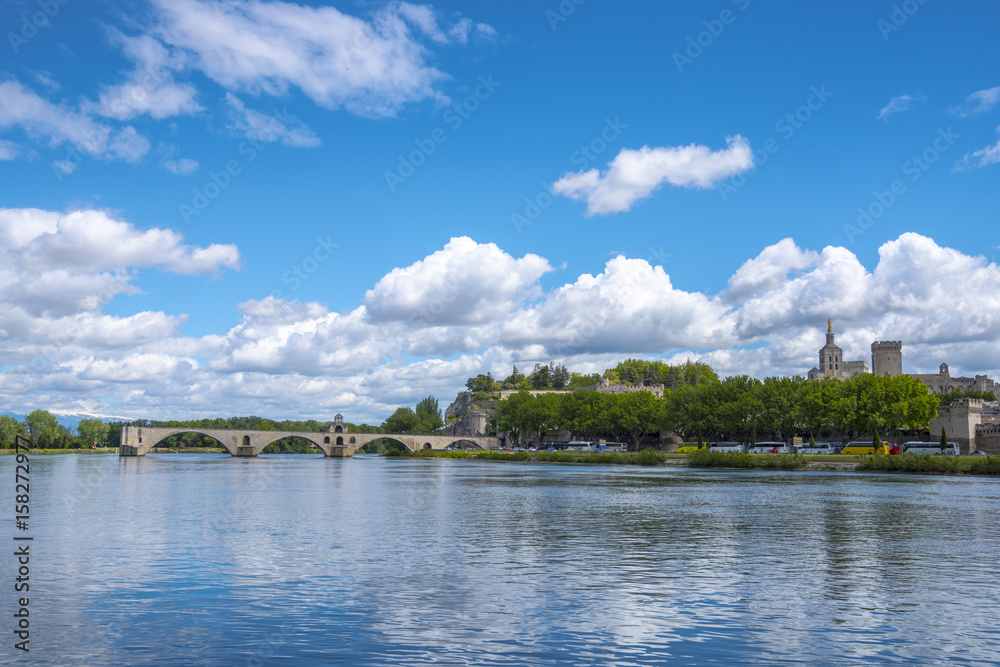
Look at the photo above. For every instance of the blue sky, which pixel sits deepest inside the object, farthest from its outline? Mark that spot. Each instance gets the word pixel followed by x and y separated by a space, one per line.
pixel 295 209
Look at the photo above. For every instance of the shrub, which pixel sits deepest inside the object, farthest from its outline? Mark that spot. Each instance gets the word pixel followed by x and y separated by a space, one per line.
pixel 649 457
pixel 987 466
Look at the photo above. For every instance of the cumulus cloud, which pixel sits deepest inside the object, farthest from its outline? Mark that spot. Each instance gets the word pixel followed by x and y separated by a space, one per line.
pixel 464 283
pixel 635 174
pixel 896 105
pixel 417 334
pixel 978 102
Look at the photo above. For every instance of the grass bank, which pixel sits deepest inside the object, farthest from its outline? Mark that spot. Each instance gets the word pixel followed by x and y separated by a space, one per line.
pixel 646 457
pixel 946 465
pixel 703 458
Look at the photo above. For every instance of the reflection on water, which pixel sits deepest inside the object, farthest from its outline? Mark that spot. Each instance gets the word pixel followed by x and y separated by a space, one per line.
pixel 204 559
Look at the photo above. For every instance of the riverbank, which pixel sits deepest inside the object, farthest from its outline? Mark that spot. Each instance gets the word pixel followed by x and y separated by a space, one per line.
pixel 947 465
pixel 99 450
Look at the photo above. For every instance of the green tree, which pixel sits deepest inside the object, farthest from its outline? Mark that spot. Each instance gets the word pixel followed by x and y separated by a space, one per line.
pixel 93 432
pixel 541 377
pixel 482 384
pixel 579 380
pixel 9 428
pixel 403 420
pixel 42 426
pixel 560 377
pixel 429 413
pixel 515 380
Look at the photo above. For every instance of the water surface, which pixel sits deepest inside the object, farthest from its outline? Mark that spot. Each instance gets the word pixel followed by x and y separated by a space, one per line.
pixel 207 559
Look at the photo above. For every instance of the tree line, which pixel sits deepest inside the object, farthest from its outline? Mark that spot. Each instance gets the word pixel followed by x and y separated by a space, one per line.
pixel 738 408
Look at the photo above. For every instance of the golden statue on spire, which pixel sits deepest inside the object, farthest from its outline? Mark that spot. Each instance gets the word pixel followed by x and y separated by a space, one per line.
pixel 829 326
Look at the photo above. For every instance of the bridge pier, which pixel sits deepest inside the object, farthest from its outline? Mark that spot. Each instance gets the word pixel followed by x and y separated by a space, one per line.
pixel 246 452
pixel 338 452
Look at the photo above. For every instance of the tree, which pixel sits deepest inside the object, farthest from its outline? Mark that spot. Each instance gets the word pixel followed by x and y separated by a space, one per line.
pixel 560 377
pixel 541 377
pixel 9 428
pixel 579 380
pixel 403 420
pixel 482 384
pixel 93 432
pixel 944 440
pixel 41 425
pixel 429 414
pixel 515 380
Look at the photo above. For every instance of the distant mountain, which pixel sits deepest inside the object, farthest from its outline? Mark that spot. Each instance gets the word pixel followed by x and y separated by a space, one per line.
pixel 71 419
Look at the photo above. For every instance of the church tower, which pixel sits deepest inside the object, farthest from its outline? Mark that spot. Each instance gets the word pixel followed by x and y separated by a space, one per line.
pixel 831 357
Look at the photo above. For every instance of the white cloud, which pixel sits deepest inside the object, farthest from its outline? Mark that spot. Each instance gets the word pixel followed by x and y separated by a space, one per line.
pixel 464 283
pixel 978 102
pixel 984 157
pixel 290 359
pixel 768 270
pixel 369 68
pixel 896 105
pixel 635 174
pixel 181 166
pixel 631 307
pixel 278 126
pixel 150 88
pixel 43 120
pixel 9 150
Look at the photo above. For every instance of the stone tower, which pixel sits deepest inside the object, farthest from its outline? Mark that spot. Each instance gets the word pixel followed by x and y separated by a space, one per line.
pixel 831 357
pixel 887 357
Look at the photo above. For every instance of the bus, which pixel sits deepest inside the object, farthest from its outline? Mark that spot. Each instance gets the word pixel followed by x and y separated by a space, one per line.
pixel 930 448
pixel 770 448
pixel 727 447
pixel 863 447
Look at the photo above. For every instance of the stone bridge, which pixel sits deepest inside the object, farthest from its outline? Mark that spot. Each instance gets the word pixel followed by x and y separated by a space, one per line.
pixel 138 440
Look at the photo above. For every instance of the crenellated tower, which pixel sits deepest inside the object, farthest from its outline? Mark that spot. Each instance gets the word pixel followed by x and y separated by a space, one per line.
pixel 887 357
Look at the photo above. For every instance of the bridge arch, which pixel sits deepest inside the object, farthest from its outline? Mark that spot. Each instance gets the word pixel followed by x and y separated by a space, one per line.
pixel 472 444
pixel 151 441
pixel 313 438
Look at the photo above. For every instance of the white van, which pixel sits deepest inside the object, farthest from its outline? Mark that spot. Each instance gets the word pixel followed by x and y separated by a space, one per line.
pixel 727 447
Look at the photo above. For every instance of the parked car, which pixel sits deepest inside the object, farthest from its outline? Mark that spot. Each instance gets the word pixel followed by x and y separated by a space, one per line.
pixel 979 452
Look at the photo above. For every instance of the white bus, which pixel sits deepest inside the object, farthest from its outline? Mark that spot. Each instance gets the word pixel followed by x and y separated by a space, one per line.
pixel 931 448
pixel 727 447
pixel 770 448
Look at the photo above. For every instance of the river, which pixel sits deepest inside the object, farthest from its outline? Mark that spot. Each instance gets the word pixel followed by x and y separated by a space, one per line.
pixel 300 560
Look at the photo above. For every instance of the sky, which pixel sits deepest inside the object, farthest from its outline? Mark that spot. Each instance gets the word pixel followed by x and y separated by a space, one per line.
pixel 292 209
